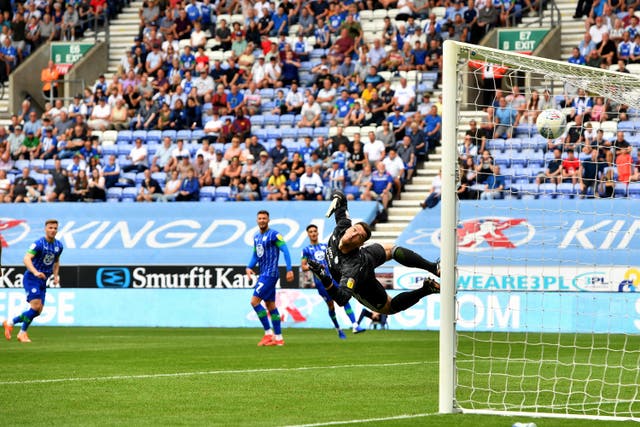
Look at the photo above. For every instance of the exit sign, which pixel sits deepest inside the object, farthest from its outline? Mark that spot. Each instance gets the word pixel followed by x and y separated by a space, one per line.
pixel 521 41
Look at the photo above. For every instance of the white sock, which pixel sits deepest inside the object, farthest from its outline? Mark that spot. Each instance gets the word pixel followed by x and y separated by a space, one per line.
pixel 269 332
pixel 10 322
pixel 279 337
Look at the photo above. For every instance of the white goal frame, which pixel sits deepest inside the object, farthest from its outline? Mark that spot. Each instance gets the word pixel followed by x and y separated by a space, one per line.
pixel 626 90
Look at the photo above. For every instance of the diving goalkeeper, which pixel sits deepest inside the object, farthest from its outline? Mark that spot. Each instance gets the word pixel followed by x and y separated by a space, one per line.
pixel 352 265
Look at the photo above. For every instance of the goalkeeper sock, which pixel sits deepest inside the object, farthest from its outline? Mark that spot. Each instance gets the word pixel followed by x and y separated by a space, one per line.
pixel 262 316
pixel 334 319
pixel 349 311
pixel 275 320
pixel 407 299
pixel 364 313
pixel 25 318
pixel 409 258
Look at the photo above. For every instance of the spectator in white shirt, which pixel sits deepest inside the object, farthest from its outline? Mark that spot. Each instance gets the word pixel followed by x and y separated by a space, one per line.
pixel 138 157
pixel 311 184
pixel 311 113
pixel 395 167
pixel 405 95
pixel 373 149
pixel 100 115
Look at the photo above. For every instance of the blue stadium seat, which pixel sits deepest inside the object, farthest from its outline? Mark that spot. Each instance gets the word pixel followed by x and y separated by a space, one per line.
pixel 305 132
pixel 620 190
pixel 261 134
pixel 171 134
pixel 124 150
pixel 129 194
pixel 320 131
pixel 257 120
pixel 526 190
pixel 161 177
pixel 566 190
pixel 197 134
pixel 495 145
pixel 110 150
pixel 634 190
pixel 37 164
pixel 222 192
pixel 21 164
pixel 547 190
pixel 126 136
pixel 291 133
pixel 139 178
pixel 114 194
pixel 287 120
pixel 626 126
pixel 267 93
pixel 513 144
pixel 142 134
pixel 184 134
pixel 207 192
pixel 154 136
pixel 49 164
pixel 525 129
pixel 39 177
pixel 271 120
pixel 273 133
pixel 353 190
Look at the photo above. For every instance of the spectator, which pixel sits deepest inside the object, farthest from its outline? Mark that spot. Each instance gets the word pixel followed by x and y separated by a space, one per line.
pixel 433 198
pixel 395 167
pixel 311 113
pixel 293 187
pixel 49 77
pixel 334 177
pixel 24 188
pixel 161 161
pixel 100 115
pixel 432 129
pixel 138 157
pixel 189 188
pixel 505 120
pixel 311 184
pixel 553 171
pixel 217 166
pixel 607 50
pixel 590 173
pixel 326 96
pixel 570 168
pixel 374 149
pixel 111 172
pixel 96 187
pixel 279 154
pixel 276 185
pixel 146 116
pixel 381 185
pixel 485 167
pixel 342 107
pixel 263 168
pixel 80 187
pixel 576 58
pixel 406 152
pixel 494 185
pixel 627 170
pixel 150 189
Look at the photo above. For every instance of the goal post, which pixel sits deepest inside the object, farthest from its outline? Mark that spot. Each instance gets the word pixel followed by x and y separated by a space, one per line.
pixel 539 315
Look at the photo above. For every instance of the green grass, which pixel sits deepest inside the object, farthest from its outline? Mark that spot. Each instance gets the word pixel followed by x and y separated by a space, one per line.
pixel 219 377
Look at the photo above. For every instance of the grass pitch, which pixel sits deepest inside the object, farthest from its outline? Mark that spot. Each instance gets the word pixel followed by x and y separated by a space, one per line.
pixel 219 377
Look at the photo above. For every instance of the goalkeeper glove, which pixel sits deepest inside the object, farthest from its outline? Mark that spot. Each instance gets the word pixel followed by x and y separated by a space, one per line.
pixel 337 199
pixel 317 269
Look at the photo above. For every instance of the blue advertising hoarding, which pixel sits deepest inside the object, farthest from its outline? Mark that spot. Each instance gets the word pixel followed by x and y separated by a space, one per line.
pixel 535 232
pixel 552 312
pixel 163 233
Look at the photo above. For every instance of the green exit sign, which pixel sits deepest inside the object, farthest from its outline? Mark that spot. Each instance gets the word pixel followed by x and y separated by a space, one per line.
pixel 522 41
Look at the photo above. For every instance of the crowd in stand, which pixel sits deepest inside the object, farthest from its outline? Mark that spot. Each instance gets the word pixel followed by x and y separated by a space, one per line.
pixel 190 70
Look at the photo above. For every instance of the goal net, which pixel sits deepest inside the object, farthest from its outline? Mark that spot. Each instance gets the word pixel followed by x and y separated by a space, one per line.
pixel 544 316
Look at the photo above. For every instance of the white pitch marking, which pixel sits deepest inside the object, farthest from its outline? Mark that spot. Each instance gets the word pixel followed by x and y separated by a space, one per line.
pixel 363 421
pixel 219 372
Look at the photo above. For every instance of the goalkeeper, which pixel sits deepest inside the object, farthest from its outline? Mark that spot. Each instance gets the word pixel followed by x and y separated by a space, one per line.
pixel 352 265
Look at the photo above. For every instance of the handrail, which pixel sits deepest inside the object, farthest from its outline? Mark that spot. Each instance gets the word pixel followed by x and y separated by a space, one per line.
pixel 554 14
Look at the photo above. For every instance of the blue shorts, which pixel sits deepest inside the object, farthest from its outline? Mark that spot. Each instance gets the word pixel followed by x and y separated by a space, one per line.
pixel 34 287
pixel 266 288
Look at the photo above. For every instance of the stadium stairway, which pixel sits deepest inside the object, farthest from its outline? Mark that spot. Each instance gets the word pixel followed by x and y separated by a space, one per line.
pixel 122 31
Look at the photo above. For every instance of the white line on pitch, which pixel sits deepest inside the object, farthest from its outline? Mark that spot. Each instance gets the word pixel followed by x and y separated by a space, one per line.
pixel 363 421
pixel 219 372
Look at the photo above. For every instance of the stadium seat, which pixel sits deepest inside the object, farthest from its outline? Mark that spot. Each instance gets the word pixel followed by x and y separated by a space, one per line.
pixel 547 190
pixel 634 190
pixel 526 190
pixel 626 126
pixel 129 194
pixel 108 135
pixel 495 145
pixel 305 132
pixel 222 192
pixel 124 150
pixel 142 134
pixel 139 178
pixel 620 190
pixel 37 164
pixel 126 136
pixel 196 135
pixel 154 136
pixel 110 150
pixel 114 194
pixel 271 120
pixel 566 190
pixel 289 133
pixel 287 120
pixel 354 190
pixel 207 192
pixel 184 134
pixel 257 120
pixel 320 131
pixel 49 164
pixel 171 134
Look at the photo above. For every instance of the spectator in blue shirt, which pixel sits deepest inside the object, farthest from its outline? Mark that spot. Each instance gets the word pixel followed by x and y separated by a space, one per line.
pixel 193 11
pixel 576 58
pixel 433 129
pixel 505 120
pixel 190 188
pixel 494 185
pixel 280 23
pixel 381 185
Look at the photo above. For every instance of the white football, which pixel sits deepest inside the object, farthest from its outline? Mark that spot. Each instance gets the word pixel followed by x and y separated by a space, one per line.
pixel 551 123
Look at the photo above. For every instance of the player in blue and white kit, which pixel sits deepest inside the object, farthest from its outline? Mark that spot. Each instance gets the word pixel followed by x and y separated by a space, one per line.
pixel 316 251
pixel 42 260
pixel 267 244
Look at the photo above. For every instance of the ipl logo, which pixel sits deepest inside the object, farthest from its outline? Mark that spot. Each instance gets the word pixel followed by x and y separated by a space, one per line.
pixel 12 231
pixel 481 234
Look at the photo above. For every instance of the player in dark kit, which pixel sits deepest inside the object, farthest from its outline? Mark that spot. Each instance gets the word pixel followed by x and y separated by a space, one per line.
pixel 353 266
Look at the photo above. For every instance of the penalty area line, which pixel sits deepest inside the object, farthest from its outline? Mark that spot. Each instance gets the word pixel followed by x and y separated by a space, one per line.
pixel 364 420
pixel 218 372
